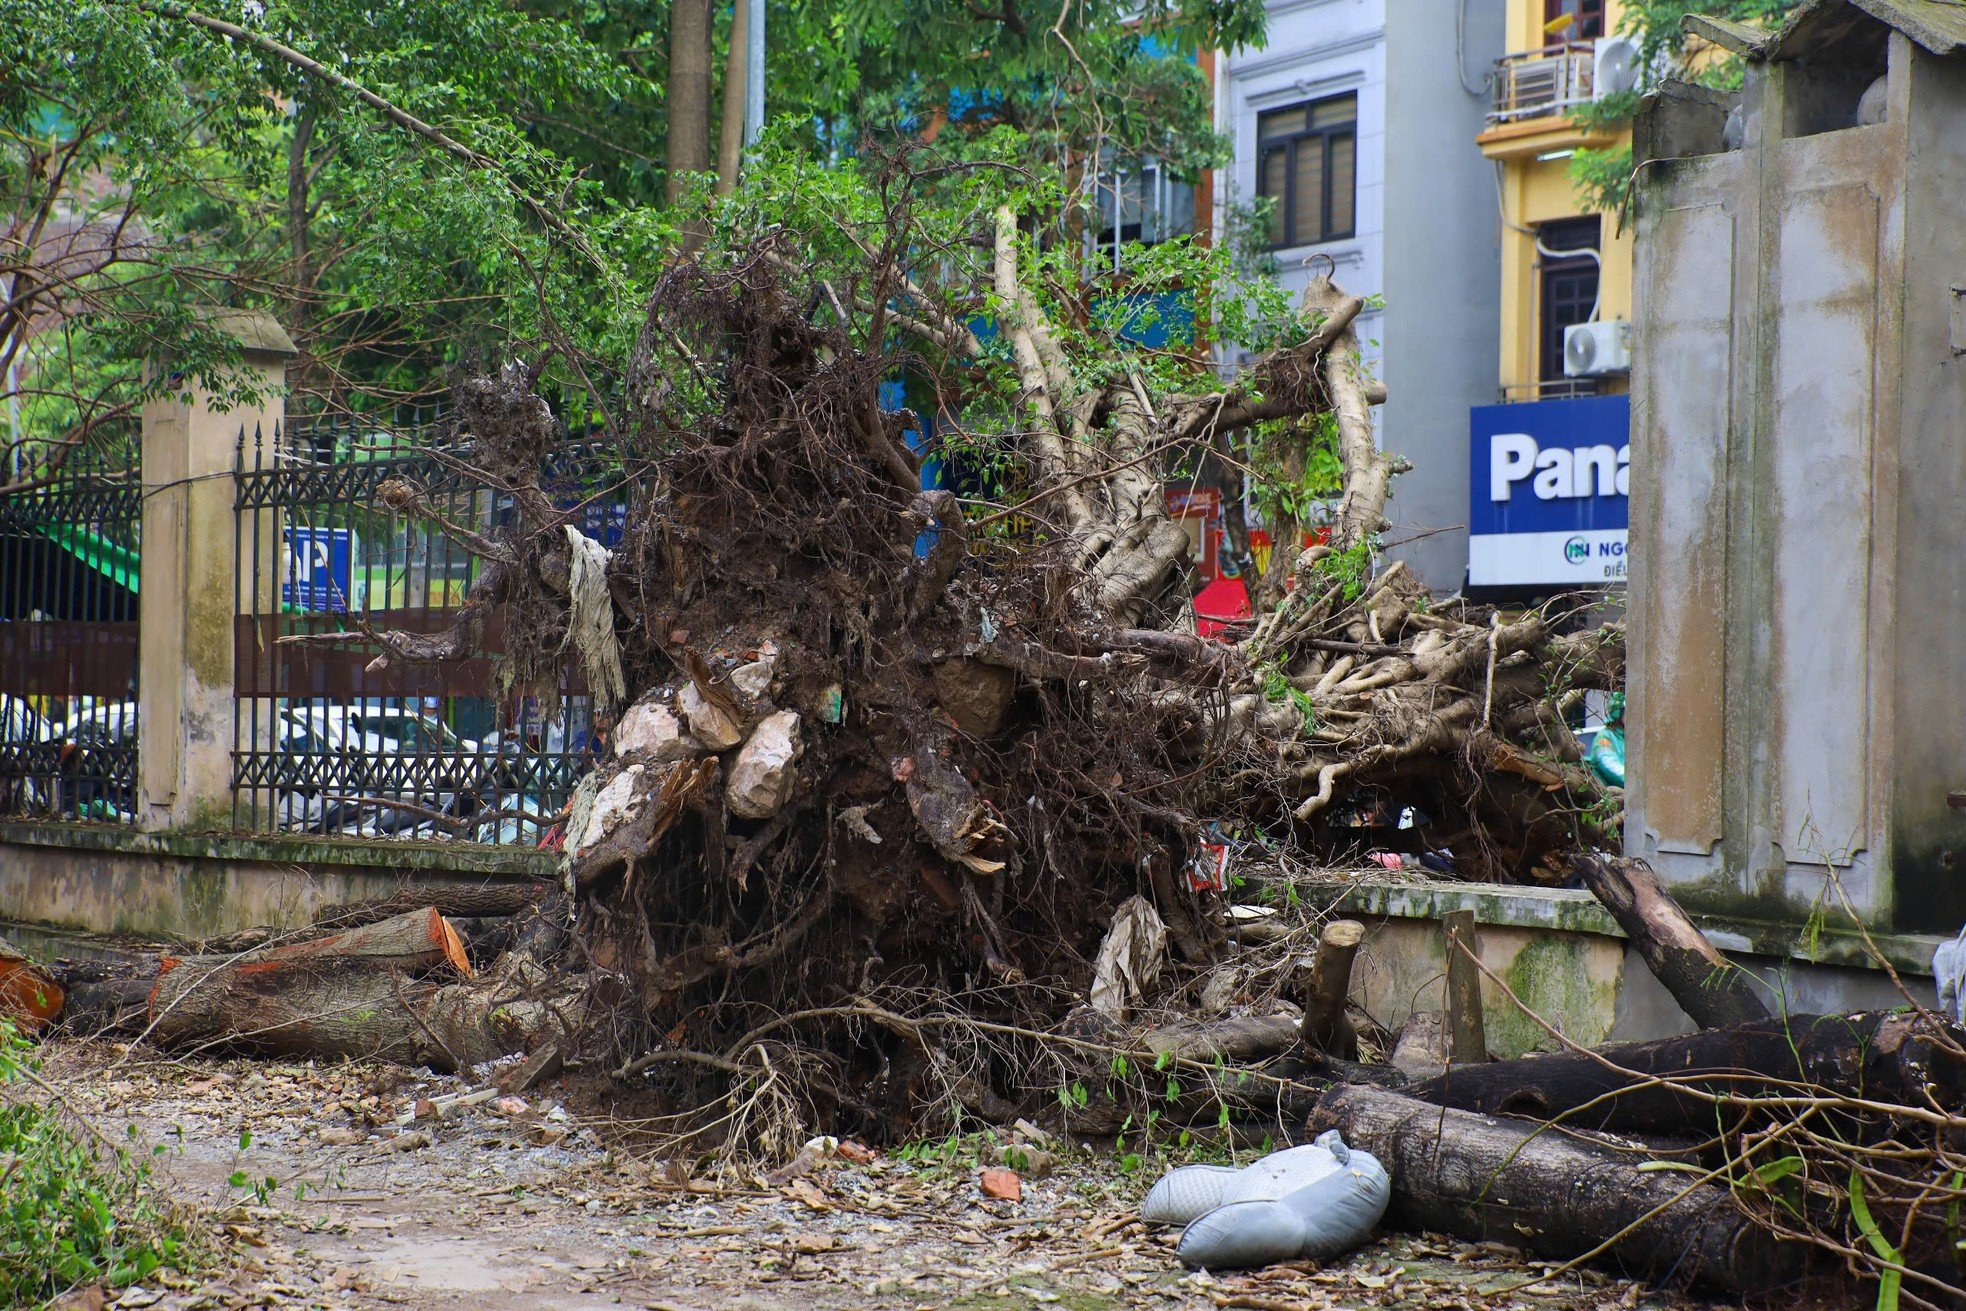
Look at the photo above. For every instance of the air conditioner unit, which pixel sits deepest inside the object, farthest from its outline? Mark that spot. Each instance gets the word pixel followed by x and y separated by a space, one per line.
pixel 1614 67
pixel 1591 350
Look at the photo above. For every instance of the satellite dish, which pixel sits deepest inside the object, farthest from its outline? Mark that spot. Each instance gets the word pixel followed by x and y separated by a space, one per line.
pixel 1614 67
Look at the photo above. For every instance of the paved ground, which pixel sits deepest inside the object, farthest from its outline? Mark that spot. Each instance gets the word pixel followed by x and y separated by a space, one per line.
pixel 497 1210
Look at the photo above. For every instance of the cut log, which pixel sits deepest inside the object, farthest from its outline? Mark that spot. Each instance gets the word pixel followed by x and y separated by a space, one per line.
pixel 1908 1060
pixel 29 995
pixel 1326 1026
pixel 347 994
pixel 1420 1049
pixel 1467 1032
pixel 107 993
pixel 1485 1178
pixel 1227 1040
pixel 1708 987
pixel 412 940
pixel 467 900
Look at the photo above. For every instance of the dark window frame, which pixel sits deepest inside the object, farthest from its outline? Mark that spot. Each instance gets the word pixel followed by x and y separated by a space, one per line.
pixel 1567 281
pixel 1289 143
pixel 1588 16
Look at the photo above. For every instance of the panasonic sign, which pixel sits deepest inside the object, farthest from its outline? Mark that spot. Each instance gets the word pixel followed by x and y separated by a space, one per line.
pixel 1549 484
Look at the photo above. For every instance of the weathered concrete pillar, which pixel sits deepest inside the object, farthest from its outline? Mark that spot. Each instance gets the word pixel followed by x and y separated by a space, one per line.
pixel 189 590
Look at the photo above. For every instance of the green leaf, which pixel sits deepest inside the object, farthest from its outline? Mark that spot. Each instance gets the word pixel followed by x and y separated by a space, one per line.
pixel 1888 1281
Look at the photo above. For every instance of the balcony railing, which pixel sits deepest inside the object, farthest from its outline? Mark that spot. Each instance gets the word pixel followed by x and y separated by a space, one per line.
pixel 1547 389
pixel 1540 83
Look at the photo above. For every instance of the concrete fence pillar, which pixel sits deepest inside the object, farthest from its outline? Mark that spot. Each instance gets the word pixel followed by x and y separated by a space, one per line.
pixel 189 591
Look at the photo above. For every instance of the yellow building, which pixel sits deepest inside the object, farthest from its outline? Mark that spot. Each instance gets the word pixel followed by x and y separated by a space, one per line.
pixel 1563 263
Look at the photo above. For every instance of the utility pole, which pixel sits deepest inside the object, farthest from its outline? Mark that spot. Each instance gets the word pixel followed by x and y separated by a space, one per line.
pixel 754 71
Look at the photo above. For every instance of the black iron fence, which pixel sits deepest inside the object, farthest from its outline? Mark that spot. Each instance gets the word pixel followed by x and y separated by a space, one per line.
pixel 70 539
pixel 331 740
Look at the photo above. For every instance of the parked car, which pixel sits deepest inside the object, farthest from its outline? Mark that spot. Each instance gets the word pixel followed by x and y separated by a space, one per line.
pixel 24 757
pixel 374 771
pixel 95 760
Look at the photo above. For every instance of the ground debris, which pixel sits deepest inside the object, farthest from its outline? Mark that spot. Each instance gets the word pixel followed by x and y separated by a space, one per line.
pixel 480 1219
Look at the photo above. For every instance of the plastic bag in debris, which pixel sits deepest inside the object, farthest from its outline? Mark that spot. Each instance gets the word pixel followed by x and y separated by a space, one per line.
pixel 1130 958
pixel 1949 972
pixel 1304 1203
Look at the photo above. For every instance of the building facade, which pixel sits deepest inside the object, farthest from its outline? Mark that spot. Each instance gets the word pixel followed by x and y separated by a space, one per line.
pixel 1549 448
pixel 1354 119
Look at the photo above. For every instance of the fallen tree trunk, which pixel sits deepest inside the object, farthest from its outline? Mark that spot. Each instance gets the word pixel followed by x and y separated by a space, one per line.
pixel 410 940
pixel 467 901
pixel 1228 1040
pixel 29 995
pixel 106 994
pixel 1905 1060
pixel 1489 1179
pixel 356 994
pixel 1708 987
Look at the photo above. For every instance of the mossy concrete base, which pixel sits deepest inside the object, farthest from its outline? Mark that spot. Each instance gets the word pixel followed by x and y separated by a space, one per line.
pixel 1565 959
pixel 101 879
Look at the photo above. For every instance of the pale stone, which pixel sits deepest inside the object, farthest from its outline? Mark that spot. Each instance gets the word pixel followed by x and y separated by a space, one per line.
pixel 754 679
pixel 616 804
pixel 651 731
pixel 707 723
pixel 762 776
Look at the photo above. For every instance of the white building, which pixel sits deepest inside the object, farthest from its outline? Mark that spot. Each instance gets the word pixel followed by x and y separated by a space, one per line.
pixel 1357 117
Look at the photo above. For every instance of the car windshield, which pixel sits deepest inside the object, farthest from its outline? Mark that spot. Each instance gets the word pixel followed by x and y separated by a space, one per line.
pixel 307 733
pixel 103 725
pixel 18 722
pixel 410 733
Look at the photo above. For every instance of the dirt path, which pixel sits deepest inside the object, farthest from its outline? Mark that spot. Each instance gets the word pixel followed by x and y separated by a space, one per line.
pixel 494 1210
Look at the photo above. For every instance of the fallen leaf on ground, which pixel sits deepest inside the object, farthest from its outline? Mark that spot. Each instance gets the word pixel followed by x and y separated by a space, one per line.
pixel 1003 1184
pixel 803 1190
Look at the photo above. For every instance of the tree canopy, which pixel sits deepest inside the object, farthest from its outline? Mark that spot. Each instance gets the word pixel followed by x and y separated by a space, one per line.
pixel 419 188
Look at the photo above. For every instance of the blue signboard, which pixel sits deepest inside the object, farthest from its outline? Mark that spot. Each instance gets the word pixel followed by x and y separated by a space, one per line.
pixel 319 569
pixel 1548 492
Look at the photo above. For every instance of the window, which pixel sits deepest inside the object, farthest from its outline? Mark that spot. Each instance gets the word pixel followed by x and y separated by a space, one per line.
pixel 1307 159
pixel 1141 200
pixel 1568 286
pixel 1573 20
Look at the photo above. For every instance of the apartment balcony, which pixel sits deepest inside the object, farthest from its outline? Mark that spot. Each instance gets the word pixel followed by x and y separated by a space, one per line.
pixel 1535 90
pixel 1543 83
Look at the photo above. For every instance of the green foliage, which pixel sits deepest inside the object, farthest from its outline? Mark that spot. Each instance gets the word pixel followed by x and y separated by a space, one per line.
pixel 1351 568
pixel 204 172
pixel 1603 177
pixel 1889 1280
pixel 1278 687
pixel 1075 79
pixel 73 1210
pixel 399 266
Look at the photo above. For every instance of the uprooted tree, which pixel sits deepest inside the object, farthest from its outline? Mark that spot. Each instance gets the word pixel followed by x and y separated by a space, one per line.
pixel 882 743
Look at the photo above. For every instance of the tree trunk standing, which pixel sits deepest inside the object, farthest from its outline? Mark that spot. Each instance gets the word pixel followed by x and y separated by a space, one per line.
pixel 1326 1026
pixel 688 91
pixel 1467 1030
pixel 730 126
pixel 300 255
pixel 1486 1179
pixel 1708 987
